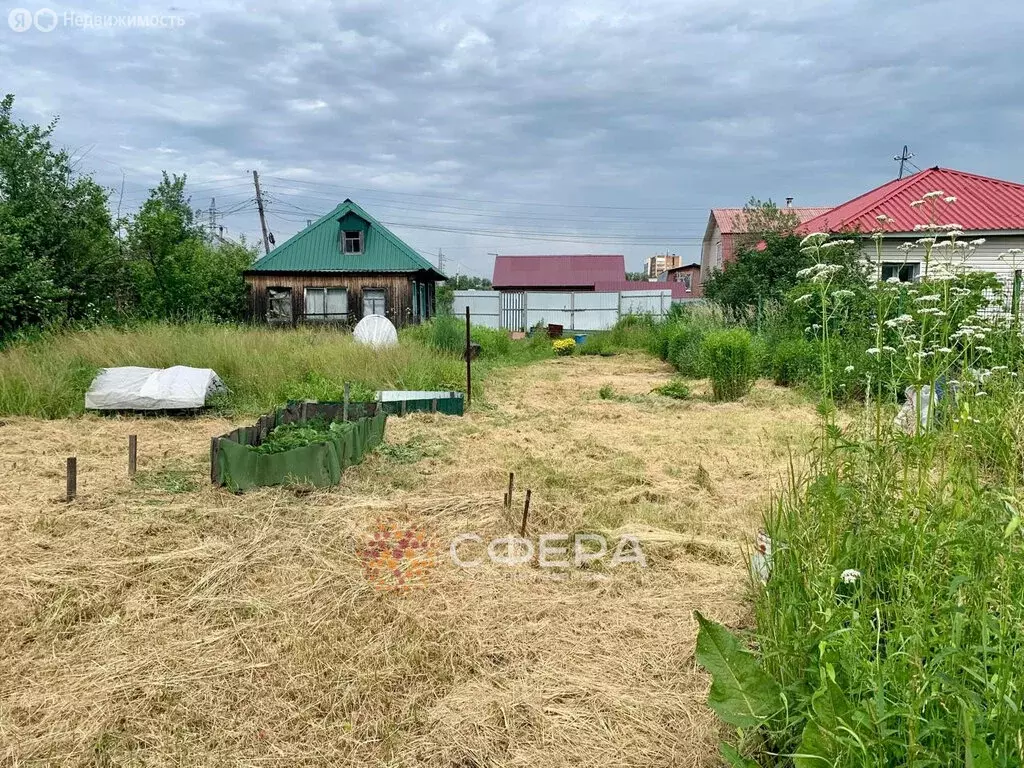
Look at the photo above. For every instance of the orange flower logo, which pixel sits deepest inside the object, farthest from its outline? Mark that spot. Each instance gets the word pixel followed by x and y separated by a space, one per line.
pixel 397 559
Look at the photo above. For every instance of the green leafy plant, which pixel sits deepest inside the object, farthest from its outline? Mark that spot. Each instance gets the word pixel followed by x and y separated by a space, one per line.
pixel 728 359
pixel 676 388
pixel 606 392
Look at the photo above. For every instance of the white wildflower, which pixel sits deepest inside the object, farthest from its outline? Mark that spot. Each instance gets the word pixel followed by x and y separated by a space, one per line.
pixel 987 350
pixel 936 193
pixel 931 297
pixel 978 241
pixel 843 293
pixel 848 369
pixel 890 350
pixel 850 575
pixel 815 238
pixel 882 218
pixel 916 203
pixel 804 299
pixel 873 350
pixel 950 199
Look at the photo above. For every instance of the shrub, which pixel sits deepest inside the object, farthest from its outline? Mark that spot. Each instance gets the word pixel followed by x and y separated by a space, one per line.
pixel 728 359
pixel 606 392
pixel 564 347
pixel 794 360
pixel 677 389
pixel 684 349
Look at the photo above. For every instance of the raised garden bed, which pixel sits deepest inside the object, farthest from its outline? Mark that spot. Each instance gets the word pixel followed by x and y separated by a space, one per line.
pixel 310 443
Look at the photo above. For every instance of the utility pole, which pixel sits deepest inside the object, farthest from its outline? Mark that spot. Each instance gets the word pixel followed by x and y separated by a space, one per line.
pixel 259 207
pixel 903 157
pixel 440 261
pixel 213 217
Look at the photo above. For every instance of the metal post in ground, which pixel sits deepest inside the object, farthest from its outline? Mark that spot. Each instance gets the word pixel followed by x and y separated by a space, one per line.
pixel 469 365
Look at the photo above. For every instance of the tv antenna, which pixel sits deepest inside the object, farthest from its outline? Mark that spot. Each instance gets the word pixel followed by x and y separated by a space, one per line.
pixel 903 158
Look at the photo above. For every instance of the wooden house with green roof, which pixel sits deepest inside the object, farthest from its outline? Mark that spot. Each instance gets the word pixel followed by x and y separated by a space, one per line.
pixel 341 268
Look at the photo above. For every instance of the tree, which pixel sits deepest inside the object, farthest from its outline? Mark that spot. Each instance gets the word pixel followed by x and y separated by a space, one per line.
pixel 59 255
pixel 636 276
pixel 768 270
pixel 176 272
pixel 761 219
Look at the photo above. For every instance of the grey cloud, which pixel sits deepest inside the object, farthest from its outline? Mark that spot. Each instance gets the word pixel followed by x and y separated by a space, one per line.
pixel 656 105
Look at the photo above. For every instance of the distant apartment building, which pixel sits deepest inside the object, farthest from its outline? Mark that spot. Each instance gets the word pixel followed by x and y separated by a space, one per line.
pixel 655 265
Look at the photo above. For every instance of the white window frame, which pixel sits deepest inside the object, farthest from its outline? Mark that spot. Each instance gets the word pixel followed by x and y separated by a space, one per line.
pixel 345 237
pixel 323 317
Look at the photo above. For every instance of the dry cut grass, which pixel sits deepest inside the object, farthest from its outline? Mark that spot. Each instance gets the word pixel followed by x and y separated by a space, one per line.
pixel 163 622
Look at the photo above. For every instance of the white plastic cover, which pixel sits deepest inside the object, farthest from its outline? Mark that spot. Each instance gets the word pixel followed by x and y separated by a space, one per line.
pixel 376 330
pixel 152 389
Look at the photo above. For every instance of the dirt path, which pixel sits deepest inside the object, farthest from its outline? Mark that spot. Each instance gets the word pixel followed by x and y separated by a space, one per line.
pixel 168 623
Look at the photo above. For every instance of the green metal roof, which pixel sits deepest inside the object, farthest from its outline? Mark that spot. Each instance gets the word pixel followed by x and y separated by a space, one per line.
pixel 317 248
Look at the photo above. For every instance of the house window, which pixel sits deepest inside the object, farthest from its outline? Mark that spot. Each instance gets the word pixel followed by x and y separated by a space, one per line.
pixel 906 273
pixel 326 305
pixel 279 305
pixel 686 280
pixel 352 242
pixel 718 254
pixel 373 302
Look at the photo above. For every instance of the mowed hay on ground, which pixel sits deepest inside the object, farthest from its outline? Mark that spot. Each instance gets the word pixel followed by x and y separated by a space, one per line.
pixel 164 622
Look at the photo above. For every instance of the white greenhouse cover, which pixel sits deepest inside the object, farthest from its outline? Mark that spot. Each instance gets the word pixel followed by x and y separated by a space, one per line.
pixel 152 389
pixel 376 330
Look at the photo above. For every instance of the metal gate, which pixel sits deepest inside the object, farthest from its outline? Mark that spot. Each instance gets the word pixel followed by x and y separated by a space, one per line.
pixel 513 310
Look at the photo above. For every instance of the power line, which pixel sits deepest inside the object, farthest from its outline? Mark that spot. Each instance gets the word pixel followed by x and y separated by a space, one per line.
pixel 475 200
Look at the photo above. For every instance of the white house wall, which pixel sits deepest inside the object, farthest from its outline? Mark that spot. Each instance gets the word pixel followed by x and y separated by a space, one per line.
pixel 984 259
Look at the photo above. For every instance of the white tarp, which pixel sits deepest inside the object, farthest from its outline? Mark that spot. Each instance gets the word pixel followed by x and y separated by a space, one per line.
pixel 151 389
pixel 375 330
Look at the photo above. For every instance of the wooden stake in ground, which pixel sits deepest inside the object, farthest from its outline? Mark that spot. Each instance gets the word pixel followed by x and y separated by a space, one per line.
pixel 133 447
pixel 344 403
pixel 526 513
pixel 72 478
pixel 469 365
pixel 508 496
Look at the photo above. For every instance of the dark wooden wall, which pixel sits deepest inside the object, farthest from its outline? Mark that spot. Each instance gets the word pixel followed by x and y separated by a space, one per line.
pixel 397 291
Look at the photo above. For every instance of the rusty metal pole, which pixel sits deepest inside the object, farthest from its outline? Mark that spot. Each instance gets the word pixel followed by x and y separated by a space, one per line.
pixel 526 513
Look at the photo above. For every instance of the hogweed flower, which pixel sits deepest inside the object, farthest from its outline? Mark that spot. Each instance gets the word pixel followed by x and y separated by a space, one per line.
pixel 850 575
pixel 813 239
pixel 916 203
pixel 950 199
pixel 936 193
pixel 848 369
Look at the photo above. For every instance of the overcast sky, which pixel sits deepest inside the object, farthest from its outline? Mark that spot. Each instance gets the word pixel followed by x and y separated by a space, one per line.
pixel 482 127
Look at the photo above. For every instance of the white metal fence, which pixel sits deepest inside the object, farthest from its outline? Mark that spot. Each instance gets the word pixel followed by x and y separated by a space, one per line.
pixel 574 311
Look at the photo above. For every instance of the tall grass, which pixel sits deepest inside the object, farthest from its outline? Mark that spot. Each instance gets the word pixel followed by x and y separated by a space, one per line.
pixel 891 628
pixel 262 367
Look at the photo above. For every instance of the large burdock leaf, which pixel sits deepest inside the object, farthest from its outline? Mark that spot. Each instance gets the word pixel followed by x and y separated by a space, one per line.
pixel 741 693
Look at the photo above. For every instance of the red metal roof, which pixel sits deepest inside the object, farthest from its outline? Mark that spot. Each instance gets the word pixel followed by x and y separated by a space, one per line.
pixel 582 271
pixel 982 204
pixel 732 221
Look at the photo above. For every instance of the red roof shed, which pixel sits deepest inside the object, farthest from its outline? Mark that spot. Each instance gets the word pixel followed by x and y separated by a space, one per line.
pixel 579 273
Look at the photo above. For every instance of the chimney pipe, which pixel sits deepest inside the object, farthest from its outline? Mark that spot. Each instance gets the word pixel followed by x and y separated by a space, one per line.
pixel 789 202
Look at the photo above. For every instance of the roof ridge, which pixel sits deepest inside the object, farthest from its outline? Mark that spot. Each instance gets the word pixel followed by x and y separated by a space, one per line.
pixel 391 236
pixel 993 179
pixel 289 243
